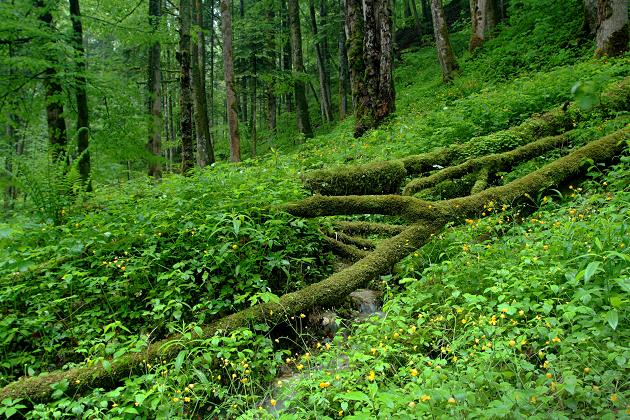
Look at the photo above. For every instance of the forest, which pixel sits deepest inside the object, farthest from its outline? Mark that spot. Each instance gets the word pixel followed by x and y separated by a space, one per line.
pixel 314 209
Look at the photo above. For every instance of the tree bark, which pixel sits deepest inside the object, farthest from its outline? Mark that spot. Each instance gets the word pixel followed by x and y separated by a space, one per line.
pixel 303 117
pixel 228 70
pixel 344 77
pixel 57 133
pixel 374 86
pixel 589 24
pixel 83 123
pixel 205 151
pixel 612 28
pixel 154 88
pixel 253 119
pixel 185 99
pixel 416 18
pixel 485 15
pixel 324 89
pixel 448 63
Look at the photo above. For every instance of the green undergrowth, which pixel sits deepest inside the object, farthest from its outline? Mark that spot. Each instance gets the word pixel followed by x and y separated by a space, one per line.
pixel 127 268
pixel 497 318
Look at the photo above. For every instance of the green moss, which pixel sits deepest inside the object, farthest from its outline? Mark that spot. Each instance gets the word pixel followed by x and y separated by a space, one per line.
pixel 369 228
pixel 375 178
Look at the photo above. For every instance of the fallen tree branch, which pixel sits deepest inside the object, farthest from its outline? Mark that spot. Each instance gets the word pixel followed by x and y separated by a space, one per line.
pixel 344 250
pixel 490 163
pixel 327 292
pixel 361 243
pixel 385 177
pixel 433 217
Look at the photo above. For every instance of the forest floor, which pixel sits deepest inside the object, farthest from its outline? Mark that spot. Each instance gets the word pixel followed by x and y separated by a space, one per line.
pixel 518 311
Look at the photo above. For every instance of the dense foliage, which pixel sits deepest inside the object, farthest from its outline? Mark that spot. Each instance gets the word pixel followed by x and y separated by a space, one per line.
pixel 521 312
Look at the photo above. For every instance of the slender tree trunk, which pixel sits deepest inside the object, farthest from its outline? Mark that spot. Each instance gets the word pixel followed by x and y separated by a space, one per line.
pixel 83 124
pixel 406 9
pixel 589 24
pixel 185 99
pixel 212 41
pixel 416 18
pixel 612 28
pixel 57 132
pixel 205 151
pixel 154 87
pixel 448 63
pixel 325 106
pixel 286 50
pixel 254 100
pixel 303 118
pixel 485 15
pixel 228 68
pixel 343 74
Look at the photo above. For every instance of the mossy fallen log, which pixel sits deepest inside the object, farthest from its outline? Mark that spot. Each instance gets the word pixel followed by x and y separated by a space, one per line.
pixel 327 292
pixel 427 218
pixel 491 163
pixel 387 177
pixel 383 177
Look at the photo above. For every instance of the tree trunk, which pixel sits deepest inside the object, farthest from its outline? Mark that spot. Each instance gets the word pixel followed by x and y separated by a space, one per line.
pixel 154 87
pixel 343 74
pixel 228 69
pixel 589 24
pixel 205 151
pixel 57 133
pixel 83 126
pixel 185 99
pixel 416 18
pixel 448 63
pixel 325 106
pixel 303 118
pixel 253 120
pixel 371 61
pixel 612 28
pixel 212 41
pixel 485 15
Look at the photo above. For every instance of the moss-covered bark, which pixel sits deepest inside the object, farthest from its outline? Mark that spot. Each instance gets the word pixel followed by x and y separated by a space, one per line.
pixel 375 178
pixel 489 164
pixel 327 292
pixel 387 177
pixel 369 228
pixel 360 243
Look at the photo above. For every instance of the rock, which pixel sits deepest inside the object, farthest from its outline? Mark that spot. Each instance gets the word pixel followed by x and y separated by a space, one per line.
pixel 366 301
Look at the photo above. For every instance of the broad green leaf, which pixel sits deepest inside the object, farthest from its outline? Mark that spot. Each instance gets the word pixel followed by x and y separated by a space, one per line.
pixel 612 318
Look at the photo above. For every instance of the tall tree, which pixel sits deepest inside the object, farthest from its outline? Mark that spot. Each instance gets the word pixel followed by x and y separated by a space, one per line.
pixel 448 63
pixel 344 77
pixel 370 55
pixel 185 99
pixel 205 151
pixel 485 15
pixel 303 117
pixel 228 69
pixel 322 68
pixel 83 123
pixel 154 88
pixel 55 120
pixel 612 27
